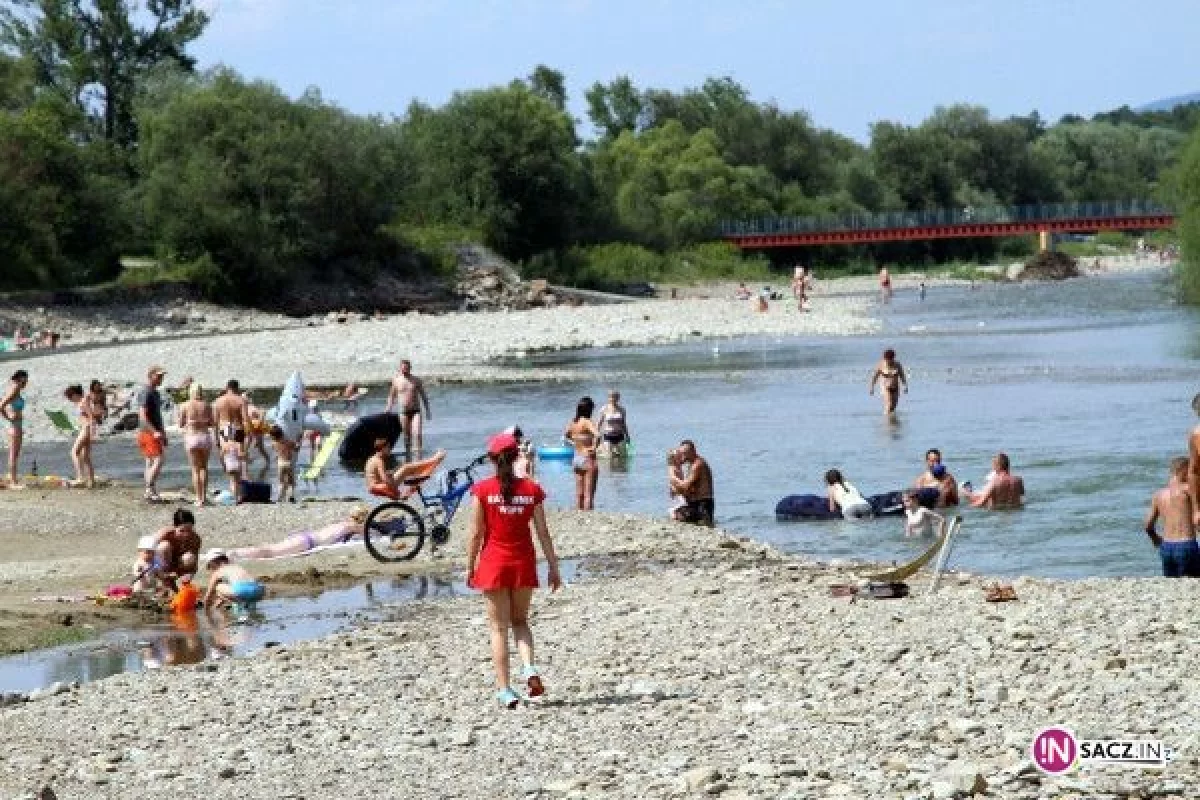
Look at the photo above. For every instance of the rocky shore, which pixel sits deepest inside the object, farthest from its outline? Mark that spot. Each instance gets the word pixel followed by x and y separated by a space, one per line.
pixel 685 663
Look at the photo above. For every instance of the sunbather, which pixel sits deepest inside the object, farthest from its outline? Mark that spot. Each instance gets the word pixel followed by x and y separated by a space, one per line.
pixel 301 542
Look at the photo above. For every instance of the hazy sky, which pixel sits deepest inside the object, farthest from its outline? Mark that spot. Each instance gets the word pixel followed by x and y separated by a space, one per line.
pixel 847 63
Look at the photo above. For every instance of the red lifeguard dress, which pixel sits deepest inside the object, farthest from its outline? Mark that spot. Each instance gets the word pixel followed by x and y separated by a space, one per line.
pixel 507 559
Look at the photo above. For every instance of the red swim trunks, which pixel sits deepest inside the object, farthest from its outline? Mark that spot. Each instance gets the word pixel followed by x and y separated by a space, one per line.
pixel 508 559
pixel 150 445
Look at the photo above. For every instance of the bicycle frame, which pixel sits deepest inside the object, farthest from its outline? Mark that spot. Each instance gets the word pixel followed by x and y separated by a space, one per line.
pixel 449 500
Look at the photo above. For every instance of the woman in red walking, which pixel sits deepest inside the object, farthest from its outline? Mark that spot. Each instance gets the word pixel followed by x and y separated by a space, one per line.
pixel 502 563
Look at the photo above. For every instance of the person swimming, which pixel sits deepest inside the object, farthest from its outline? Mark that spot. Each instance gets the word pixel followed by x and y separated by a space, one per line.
pixel 845 497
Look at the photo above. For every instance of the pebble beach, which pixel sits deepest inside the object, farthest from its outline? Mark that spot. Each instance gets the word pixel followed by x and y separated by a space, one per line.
pixel 684 662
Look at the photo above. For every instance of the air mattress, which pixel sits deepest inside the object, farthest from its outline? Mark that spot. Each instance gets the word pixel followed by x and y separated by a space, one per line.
pixel 814 506
pixel 292 414
pixel 359 441
pixel 552 452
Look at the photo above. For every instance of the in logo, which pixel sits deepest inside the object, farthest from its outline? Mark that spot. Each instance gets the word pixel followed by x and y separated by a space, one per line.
pixel 1054 750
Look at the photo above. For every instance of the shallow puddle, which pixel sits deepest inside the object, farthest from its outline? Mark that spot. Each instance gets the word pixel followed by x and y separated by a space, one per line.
pixel 190 639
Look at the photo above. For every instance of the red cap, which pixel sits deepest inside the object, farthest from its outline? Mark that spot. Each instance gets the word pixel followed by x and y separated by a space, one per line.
pixel 501 442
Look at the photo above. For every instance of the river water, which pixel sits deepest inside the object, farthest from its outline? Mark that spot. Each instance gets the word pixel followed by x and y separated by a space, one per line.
pixel 1085 384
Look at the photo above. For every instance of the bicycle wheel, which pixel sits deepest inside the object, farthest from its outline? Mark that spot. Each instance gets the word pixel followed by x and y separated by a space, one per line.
pixel 393 532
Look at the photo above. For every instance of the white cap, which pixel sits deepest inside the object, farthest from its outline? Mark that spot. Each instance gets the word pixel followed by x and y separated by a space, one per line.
pixel 208 557
pixel 146 543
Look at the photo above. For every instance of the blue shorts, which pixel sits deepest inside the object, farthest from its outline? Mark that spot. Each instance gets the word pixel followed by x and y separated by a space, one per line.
pixel 246 591
pixel 1180 559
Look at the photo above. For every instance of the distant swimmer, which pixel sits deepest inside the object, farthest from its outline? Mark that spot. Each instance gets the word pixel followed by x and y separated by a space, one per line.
pixel 936 476
pixel 1177 545
pixel 845 497
pixel 1004 491
pixel 409 391
pixel 890 373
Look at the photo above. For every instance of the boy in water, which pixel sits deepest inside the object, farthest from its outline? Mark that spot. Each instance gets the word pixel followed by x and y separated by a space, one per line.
pixel 1177 545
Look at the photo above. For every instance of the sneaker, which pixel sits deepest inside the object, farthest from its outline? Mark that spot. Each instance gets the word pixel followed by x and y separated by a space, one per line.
pixel 507 698
pixel 533 682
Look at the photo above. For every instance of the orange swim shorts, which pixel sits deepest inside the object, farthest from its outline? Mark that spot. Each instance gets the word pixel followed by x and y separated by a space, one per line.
pixel 150 445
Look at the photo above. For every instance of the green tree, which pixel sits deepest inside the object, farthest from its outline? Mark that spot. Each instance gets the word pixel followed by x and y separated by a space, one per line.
pixel 550 85
pixel 501 161
pixel 259 190
pixel 1187 184
pixel 616 107
pixel 94 53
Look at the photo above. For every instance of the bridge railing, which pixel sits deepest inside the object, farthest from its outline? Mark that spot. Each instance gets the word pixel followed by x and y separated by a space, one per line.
pixel 892 220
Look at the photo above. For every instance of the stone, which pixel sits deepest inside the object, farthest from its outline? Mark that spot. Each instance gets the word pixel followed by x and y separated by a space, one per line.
pixel 758 769
pixel 966 727
pixel 966 779
pixel 226 772
pixel 564 786
pixel 696 779
pixel 464 737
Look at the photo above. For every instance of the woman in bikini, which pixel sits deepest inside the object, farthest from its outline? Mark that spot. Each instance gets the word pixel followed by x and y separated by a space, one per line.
pixel 303 541
pixel 81 450
pixel 584 437
pixel 12 408
pixel 890 373
pixel 197 421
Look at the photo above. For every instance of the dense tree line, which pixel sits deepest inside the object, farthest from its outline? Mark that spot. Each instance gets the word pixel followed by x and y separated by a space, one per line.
pixel 111 144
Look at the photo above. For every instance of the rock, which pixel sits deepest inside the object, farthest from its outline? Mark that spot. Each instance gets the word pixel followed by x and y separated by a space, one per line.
pixel 758 769
pixel 564 786
pixel 966 727
pixel 696 779
pixel 463 738
pixel 226 772
pixel 1116 662
pixel 964 779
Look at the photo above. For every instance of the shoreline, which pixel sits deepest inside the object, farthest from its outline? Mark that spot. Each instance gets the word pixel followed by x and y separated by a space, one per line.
pixel 757 684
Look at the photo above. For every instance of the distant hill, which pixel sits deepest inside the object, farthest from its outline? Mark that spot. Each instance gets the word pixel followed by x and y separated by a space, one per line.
pixel 1168 103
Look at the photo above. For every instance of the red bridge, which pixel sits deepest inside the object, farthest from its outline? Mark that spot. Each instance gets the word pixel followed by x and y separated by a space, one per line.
pixel 899 226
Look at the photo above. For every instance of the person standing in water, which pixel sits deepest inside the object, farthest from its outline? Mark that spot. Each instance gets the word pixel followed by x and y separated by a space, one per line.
pixel 936 476
pixel 696 486
pixel 1177 545
pixel 800 286
pixel 885 285
pixel 1193 460
pixel 584 437
pixel 614 425
pixel 12 408
pixel 502 563
pixel 409 390
pixel 890 373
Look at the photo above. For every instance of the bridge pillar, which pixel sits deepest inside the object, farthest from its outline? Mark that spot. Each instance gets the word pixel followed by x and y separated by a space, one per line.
pixel 1045 242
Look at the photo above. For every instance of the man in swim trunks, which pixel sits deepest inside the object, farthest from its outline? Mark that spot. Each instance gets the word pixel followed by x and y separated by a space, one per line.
pixel 890 373
pixel 696 488
pixel 936 476
pixel 232 413
pixel 383 481
pixel 230 584
pixel 1004 491
pixel 1177 545
pixel 152 435
pixel 409 390
pixel 178 547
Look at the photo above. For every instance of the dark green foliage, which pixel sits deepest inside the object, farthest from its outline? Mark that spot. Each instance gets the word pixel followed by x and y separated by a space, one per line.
pixel 1188 198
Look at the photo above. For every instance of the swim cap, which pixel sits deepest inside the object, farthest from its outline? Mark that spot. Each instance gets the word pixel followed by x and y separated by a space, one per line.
pixel 937 470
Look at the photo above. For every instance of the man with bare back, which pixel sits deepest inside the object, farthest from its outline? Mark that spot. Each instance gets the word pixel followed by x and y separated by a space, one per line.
pixel 1194 461
pixel 231 412
pixel 409 391
pixel 1177 545
pixel 1004 491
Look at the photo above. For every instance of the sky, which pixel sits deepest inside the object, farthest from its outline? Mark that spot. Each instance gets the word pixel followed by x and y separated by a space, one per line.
pixel 847 63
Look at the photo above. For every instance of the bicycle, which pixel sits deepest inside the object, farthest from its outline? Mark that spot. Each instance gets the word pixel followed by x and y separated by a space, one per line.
pixel 395 531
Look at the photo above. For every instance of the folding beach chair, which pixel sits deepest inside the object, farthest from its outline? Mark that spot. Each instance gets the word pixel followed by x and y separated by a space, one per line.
pixel 328 447
pixel 62 423
pixel 940 550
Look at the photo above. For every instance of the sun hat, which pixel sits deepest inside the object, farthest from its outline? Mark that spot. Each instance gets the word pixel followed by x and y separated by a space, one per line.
pixel 501 442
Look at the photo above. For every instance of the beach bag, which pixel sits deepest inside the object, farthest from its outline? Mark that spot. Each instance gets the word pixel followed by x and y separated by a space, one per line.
pixel 255 492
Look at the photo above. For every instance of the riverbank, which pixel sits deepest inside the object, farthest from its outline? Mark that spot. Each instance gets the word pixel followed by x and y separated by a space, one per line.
pixel 694 663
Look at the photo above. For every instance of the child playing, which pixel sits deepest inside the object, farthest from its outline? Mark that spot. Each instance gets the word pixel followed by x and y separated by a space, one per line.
pixel 1177 545
pixel 230 584
pixel 285 455
pixel 233 458
pixel 918 520
pixel 146 569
